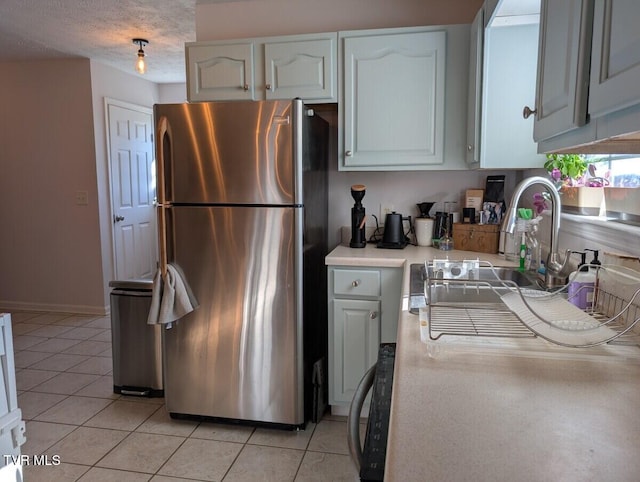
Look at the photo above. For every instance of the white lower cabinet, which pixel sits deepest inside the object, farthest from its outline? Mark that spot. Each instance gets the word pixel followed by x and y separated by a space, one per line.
pixel 363 312
pixel 356 337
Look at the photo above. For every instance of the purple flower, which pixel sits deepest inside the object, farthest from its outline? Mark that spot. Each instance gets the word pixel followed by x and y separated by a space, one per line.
pixel 539 203
pixel 556 174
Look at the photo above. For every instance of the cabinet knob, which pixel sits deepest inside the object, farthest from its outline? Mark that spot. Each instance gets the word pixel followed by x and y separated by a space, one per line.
pixel 469 148
pixel 269 87
pixel 355 283
pixel 245 87
pixel 348 153
pixel 527 112
pixel 373 315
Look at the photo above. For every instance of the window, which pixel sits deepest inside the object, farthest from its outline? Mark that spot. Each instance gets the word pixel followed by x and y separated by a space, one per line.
pixel 619 170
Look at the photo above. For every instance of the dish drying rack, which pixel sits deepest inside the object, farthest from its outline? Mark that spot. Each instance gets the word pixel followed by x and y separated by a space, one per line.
pixel 468 298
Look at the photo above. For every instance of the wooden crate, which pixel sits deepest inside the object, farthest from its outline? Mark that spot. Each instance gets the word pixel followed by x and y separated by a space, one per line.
pixel 482 238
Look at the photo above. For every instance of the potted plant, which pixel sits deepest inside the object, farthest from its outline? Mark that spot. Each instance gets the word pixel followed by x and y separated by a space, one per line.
pixel 582 192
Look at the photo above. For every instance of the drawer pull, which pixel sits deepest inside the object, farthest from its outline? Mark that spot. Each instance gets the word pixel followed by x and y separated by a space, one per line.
pixel 373 315
pixel 355 283
pixel 527 112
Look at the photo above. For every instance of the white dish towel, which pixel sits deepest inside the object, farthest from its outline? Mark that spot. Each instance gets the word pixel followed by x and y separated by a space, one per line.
pixel 171 298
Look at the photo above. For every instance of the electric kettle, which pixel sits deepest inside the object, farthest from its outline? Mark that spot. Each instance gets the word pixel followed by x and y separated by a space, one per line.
pixel 393 236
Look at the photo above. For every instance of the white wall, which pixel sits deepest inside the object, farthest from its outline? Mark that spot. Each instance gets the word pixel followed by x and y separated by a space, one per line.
pixel 50 254
pixel 172 93
pixel 255 18
pixel 54 254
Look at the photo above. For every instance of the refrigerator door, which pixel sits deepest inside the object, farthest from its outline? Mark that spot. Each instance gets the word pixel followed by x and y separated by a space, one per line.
pixel 227 152
pixel 239 354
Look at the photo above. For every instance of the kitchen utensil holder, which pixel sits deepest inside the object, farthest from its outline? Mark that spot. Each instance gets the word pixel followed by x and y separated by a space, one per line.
pixel 461 304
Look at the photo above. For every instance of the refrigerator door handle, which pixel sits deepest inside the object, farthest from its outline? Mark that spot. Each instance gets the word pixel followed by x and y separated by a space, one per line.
pixel 164 148
pixel 162 238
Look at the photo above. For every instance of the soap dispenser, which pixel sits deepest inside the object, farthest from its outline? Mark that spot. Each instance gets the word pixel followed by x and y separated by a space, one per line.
pixel 581 284
pixel 594 266
pixel 595 261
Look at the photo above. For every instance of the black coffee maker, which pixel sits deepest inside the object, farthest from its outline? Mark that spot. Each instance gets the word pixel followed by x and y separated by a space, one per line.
pixel 358 217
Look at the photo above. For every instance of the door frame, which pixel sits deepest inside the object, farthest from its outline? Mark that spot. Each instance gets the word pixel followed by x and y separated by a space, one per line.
pixel 108 101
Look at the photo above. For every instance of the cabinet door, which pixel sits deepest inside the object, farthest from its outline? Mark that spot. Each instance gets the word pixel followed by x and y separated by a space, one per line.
pixel 356 338
pixel 394 94
pixel 563 66
pixel 509 83
pixel 615 67
pixel 220 72
pixel 474 107
pixel 305 69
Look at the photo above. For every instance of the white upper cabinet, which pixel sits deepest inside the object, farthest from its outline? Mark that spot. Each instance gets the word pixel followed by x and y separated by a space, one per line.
pixel 474 112
pixel 615 67
pixel 394 99
pixel 302 66
pixel 590 55
pixel 563 73
pixel 305 69
pixel 403 98
pixel 502 73
pixel 220 72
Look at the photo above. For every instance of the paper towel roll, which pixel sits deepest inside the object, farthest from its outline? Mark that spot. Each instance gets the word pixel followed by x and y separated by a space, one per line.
pixel 424 231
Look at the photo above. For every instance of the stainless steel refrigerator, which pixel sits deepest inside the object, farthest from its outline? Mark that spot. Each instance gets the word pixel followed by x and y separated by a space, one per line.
pixel 242 212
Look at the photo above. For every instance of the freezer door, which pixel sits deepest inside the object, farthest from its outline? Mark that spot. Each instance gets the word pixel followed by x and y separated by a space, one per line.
pixel 239 354
pixel 227 152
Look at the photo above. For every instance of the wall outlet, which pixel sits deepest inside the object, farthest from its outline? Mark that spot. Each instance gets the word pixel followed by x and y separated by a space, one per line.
pixel 385 208
pixel 82 198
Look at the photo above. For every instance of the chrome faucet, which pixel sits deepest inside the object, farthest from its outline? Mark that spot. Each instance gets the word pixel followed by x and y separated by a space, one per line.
pixel 556 271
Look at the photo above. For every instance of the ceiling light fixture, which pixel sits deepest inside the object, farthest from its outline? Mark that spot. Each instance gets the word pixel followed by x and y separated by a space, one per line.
pixel 141 65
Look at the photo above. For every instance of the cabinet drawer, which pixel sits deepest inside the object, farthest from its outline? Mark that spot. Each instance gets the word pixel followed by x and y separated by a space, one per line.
pixel 356 282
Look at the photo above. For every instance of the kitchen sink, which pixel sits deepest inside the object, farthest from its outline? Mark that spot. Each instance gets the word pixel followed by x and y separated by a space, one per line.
pixel 485 288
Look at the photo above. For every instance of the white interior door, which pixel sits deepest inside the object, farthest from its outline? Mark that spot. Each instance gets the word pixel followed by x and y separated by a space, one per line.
pixel 132 191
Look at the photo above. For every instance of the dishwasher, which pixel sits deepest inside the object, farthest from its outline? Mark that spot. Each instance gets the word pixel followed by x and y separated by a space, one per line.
pixel 136 345
pixel 369 458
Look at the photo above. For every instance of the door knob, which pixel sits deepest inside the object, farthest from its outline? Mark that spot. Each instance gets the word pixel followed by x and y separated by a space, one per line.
pixel 117 218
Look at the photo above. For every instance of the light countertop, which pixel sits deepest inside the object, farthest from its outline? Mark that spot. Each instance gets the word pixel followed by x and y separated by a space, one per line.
pixel 525 411
pixel 372 256
pixel 384 258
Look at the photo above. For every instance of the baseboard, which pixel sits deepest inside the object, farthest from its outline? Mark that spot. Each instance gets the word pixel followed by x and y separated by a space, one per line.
pixel 9 306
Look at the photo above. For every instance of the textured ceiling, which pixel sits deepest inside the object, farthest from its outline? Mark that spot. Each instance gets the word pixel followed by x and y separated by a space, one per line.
pixel 101 30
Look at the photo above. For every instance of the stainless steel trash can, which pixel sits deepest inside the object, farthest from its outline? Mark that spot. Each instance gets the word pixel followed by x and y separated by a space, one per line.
pixel 136 346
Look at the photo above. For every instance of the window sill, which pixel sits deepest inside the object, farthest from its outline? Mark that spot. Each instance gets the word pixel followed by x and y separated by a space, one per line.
pixel 620 237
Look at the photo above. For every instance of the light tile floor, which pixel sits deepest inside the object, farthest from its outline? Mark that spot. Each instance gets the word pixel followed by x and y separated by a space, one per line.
pixel 65 391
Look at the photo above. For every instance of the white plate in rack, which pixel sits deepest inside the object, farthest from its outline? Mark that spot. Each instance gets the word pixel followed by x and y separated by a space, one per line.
pixel 555 319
